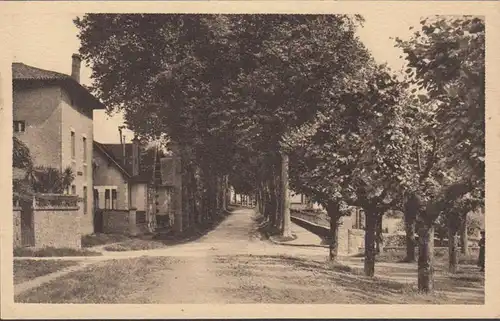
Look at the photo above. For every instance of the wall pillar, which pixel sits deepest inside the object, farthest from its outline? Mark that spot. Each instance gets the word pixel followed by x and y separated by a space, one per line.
pixel 132 213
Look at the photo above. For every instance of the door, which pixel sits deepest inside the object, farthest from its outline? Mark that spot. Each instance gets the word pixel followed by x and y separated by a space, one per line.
pixel 98 220
pixel 27 225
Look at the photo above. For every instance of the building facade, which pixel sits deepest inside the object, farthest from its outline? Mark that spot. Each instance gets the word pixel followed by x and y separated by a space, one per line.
pixel 53 116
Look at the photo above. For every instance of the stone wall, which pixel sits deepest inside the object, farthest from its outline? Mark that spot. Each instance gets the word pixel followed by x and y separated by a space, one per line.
pixel 122 222
pixel 57 227
pixel 16 211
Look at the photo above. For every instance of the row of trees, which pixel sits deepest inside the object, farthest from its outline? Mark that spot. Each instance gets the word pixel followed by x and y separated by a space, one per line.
pixel 258 101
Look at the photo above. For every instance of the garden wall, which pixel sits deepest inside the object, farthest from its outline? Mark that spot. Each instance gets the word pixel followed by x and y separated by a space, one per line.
pixel 56 226
pixel 123 222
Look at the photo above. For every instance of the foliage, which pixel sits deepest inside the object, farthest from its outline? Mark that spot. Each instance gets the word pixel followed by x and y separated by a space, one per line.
pixel 446 60
pixel 45 179
pixel 227 88
pixel 21 156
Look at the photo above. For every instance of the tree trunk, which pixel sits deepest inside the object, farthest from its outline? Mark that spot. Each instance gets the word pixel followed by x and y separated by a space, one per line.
pixel 379 237
pixel 464 239
pixel 279 203
pixel 333 213
pixel 452 250
pixel 426 258
pixel 371 221
pixel 286 230
pixel 410 229
pixel 272 208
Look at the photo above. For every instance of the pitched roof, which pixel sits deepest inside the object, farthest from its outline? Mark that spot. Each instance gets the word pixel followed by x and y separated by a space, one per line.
pixel 22 73
pixel 115 153
pixel 110 156
pixel 116 150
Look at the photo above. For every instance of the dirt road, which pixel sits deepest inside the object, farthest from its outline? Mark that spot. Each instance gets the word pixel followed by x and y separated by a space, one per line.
pixel 232 264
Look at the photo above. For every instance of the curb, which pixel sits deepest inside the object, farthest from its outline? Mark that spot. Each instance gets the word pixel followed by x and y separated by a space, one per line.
pixel 296 244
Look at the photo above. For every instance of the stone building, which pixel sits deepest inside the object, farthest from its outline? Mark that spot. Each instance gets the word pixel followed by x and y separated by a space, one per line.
pixel 53 116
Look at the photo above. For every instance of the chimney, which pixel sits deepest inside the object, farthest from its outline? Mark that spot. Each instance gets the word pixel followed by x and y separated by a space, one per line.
pixel 75 67
pixel 135 156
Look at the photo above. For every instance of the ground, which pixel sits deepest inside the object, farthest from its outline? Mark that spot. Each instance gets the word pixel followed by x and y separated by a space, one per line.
pixel 233 264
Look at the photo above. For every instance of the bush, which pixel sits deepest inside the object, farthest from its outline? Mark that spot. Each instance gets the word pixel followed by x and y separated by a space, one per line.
pixel 395 240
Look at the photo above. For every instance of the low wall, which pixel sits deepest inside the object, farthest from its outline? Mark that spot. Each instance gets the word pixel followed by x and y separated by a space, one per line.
pixel 123 222
pixel 16 212
pixel 57 227
pixel 321 231
pixel 349 240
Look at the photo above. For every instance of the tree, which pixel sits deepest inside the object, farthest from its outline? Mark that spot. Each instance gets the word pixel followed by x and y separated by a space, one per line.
pixel 456 218
pixel 215 81
pixel 351 157
pixel 446 61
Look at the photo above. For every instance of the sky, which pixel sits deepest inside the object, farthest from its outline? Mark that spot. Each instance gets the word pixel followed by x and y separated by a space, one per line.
pixel 47 41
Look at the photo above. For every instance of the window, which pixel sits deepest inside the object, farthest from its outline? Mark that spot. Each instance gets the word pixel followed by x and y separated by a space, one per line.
pixel 73 190
pixel 73 150
pixel 96 198
pixel 114 198
pixel 19 126
pixel 85 208
pixel 84 143
pixel 106 199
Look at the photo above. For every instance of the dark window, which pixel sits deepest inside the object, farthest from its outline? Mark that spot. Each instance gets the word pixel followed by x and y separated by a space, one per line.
pixel 73 150
pixel 113 199
pixel 73 190
pixel 96 198
pixel 84 143
pixel 85 208
pixel 106 199
pixel 19 126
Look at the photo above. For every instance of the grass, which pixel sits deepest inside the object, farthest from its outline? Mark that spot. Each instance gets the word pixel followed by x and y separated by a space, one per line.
pixel 135 245
pixel 246 279
pixel 115 281
pixel 102 239
pixel 440 257
pixel 52 251
pixel 284 279
pixel 25 270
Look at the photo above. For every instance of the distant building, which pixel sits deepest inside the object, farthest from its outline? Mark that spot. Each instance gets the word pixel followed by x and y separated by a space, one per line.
pixel 128 177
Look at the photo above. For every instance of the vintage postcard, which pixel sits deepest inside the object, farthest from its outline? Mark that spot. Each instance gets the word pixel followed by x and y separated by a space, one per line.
pixel 249 159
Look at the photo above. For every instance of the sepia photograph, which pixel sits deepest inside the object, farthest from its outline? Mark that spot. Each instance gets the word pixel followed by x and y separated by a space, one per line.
pixel 247 158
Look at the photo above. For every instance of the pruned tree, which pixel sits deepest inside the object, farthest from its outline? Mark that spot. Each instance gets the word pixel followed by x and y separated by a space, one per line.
pixel 446 61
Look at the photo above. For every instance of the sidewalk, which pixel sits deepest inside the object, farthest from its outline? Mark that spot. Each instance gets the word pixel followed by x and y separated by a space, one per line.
pixel 303 238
